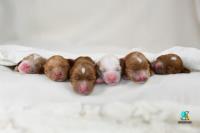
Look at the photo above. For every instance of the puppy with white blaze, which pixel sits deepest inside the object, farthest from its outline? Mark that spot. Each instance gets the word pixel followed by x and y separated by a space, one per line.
pixel 109 70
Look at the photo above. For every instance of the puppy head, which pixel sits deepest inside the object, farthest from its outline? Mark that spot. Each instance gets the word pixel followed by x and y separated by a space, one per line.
pixel 83 75
pixel 168 64
pixel 137 67
pixel 159 67
pixel 110 69
pixel 57 68
pixel 32 64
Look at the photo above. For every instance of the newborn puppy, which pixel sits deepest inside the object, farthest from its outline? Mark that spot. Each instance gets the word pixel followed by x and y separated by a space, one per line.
pixel 83 75
pixel 109 70
pixel 169 64
pixel 57 68
pixel 137 67
pixel 32 64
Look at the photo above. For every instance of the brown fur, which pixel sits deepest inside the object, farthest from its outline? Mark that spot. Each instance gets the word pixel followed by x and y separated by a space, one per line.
pixel 38 63
pixel 130 64
pixel 57 61
pixel 170 66
pixel 90 75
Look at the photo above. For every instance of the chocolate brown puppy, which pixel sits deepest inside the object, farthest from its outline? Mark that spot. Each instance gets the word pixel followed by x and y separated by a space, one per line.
pixel 57 68
pixel 136 67
pixel 83 75
pixel 169 64
pixel 31 64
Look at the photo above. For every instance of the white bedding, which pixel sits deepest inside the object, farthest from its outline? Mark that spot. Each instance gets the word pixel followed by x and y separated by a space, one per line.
pixel 34 104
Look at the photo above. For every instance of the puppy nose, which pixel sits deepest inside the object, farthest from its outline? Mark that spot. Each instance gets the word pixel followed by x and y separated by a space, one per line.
pixel 143 78
pixel 112 77
pixel 25 67
pixel 58 74
pixel 83 89
pixel 158 65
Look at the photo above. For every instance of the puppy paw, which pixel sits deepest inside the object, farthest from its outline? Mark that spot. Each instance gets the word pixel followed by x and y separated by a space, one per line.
pixel 99 81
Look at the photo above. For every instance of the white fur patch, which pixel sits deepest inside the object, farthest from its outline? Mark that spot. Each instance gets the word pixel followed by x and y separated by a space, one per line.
pixel 139 60
pixel 173 58
pixel 35 56
pixel 109 63
pixel 83 70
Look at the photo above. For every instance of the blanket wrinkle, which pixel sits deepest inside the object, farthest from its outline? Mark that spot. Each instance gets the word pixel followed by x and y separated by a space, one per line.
pixel 12 54
pixel 34 110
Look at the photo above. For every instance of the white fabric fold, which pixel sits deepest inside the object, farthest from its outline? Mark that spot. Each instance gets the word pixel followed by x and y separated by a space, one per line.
pixel 12 54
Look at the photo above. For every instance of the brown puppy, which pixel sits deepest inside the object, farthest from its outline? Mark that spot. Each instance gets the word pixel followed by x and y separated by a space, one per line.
pixel 137 67
pixel 57 68
pixel 83 75
pixel 169 64
pixel 32 64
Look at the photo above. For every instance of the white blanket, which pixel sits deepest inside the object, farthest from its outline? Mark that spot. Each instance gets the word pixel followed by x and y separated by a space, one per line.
pixel 12 54
pixel 189 55
pixel 35 104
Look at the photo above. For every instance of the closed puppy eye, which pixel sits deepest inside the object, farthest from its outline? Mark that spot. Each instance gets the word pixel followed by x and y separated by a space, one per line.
pixel 77 78
pixel 90 78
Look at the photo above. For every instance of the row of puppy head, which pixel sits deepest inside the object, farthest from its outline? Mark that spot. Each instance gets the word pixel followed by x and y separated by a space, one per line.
pixel 84 73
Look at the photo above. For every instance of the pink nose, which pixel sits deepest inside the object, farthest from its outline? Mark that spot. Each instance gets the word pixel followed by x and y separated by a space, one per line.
pixel 158 65
pixel 83 89
pixel 25 67
pixel 143 78
pixel 112 77
pixel 58 74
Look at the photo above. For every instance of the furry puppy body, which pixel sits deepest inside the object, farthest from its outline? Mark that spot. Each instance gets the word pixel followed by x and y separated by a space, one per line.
pixel 109 70
pixel 57 68
pixel 136 67
pixel 83 75
pixel 169 64
pixel 32 64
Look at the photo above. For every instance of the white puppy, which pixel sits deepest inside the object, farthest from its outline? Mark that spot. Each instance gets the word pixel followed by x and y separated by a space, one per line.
pixel 109 70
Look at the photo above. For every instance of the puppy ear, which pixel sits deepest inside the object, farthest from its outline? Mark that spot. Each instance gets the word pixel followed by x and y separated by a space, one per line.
pixel 151 72
pixel 122 64
pixel 45 66
pixel 71 62
pixel 43 62
pixel 69 74
pixel 185 70
pixel 151 67
pixel 98 73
